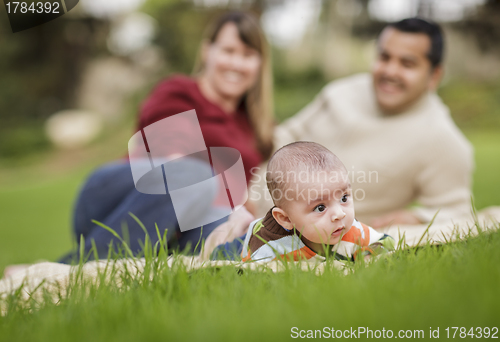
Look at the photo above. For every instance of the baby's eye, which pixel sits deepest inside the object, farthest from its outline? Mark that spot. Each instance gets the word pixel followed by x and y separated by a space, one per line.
pixel 320 208
pixel 344 198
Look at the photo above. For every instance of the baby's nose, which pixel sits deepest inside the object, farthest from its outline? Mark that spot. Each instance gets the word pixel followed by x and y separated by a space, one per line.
pixel 338 214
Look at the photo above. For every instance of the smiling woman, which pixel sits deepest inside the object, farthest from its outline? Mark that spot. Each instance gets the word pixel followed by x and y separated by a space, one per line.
pixel 231 94
pixel 234 60
pixel 231 67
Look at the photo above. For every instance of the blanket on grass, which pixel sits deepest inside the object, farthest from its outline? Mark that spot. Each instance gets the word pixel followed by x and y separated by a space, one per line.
pixel 55 279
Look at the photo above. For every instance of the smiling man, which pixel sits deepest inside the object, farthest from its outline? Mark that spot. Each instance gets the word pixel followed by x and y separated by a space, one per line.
pixel 408 64
pixel 405 157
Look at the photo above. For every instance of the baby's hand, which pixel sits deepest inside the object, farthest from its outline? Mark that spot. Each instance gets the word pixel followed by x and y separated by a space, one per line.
pixel 238 222
pixel 235 227
pixel 243 215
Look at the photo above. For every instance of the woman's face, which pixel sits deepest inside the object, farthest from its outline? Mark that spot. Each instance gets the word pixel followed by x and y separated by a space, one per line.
pixel 231 66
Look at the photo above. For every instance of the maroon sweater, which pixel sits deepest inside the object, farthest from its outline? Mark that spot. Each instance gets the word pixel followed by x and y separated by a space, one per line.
pixel 181 93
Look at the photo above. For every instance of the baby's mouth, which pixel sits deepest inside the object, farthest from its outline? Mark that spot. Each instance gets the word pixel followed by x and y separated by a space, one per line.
pixel 338 231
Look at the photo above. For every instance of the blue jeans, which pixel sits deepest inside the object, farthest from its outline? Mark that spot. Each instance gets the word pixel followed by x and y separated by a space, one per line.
pixel 108 196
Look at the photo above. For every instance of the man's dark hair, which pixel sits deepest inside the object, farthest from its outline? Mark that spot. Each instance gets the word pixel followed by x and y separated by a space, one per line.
pixel 431 29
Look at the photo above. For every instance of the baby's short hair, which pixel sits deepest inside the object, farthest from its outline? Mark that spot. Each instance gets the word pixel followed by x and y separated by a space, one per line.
pixel 295 157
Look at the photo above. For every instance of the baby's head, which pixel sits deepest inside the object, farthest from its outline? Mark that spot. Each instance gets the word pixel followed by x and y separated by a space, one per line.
pixel 310 188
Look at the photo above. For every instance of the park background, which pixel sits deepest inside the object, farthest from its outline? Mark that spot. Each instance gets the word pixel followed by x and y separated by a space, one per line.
pixel 92 68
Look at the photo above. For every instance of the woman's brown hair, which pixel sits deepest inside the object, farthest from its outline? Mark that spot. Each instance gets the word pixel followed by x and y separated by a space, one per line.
pixel 258 101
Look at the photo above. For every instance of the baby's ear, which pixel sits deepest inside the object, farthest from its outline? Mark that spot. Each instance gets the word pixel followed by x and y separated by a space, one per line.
pixel 282 218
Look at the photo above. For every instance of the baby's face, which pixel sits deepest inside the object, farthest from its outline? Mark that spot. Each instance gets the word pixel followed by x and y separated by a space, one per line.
pixel 324 211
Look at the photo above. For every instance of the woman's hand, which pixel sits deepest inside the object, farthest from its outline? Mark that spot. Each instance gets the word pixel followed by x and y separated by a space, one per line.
pixel 234 227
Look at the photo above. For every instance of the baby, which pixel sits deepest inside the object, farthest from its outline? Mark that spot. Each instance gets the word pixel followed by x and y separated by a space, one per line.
pixel 314 212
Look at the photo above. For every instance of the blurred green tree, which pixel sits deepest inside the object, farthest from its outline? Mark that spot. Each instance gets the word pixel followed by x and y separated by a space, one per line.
pixel 41 69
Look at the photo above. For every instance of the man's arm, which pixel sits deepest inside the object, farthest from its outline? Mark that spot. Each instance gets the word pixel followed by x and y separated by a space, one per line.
pixel 403 216
pixel 443 185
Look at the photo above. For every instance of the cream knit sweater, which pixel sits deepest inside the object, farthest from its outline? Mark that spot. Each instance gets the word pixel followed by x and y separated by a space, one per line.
pixel 418 156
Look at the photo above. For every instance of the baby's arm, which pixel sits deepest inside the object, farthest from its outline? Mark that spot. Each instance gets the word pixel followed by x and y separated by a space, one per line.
pixel 236 226
pixel 379 244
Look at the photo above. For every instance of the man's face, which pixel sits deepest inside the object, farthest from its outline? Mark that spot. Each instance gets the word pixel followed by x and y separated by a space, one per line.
pixel 402 72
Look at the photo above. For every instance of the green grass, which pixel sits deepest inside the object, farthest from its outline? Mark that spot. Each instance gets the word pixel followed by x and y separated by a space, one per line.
pixel 473 105
pixel 455 285
pixel 36 220
pixel 486 185
pixel 37 194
